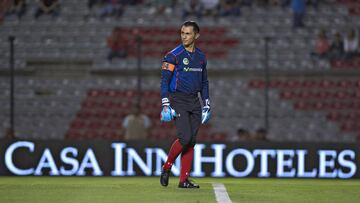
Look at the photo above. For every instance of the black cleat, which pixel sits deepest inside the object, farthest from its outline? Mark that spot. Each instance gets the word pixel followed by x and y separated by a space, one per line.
pixel 188 184
pixel 164 177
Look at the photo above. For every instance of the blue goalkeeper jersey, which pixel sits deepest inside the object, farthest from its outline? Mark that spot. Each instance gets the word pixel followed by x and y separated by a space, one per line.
pixel 185 72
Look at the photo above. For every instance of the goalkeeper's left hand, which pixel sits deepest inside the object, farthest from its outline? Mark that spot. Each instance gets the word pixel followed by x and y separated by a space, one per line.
pixel 206 113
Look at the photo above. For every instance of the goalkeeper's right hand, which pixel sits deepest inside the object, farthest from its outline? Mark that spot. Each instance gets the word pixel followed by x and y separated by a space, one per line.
pixel 167 113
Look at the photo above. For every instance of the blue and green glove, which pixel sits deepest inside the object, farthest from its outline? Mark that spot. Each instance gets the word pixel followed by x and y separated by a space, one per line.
pixel 206 113
pixel 167 113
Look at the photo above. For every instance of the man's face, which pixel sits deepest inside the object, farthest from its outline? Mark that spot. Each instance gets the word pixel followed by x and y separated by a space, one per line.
pixel 188 36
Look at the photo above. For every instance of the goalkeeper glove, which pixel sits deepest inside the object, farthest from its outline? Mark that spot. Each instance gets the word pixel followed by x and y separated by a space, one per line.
pixel 167 113
pixel 206 113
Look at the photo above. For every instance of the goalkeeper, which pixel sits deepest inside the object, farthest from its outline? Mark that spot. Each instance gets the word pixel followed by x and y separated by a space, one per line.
pixel 183 76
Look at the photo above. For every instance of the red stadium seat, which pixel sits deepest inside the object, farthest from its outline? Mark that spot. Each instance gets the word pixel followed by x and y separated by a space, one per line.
pixel 344 83
pixel 73 134
pixel 275 83
pixel 152 36
pixel 309 84
pixel 94 93
pixel 94 124
pixel 355 95
pixel 340 94
pixel 293 84
pixel 305 94
pixel 354 11
pixel 323 95
pixel 84 114
pixel 353 116
pixel 102 114
pixel 78 124
pixel 334 116
pixel 327 84
pixel 256 84
pixel 286 94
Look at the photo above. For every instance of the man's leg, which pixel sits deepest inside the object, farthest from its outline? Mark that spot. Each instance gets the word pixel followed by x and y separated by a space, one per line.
pixel 186 162
pixel 174 152
pixel 187 156
pixel 182 124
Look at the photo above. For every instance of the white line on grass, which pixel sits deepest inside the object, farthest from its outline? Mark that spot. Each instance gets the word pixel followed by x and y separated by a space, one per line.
pixel 220 193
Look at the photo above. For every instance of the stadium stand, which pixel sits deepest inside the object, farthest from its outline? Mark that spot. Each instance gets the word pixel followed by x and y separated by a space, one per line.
pixel 336 101
pixel 62 63
pixel 103 111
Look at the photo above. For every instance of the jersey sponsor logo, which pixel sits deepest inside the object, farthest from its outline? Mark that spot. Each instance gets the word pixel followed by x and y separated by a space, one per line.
pixel 187 69
pixel 186 61
pixel 168 66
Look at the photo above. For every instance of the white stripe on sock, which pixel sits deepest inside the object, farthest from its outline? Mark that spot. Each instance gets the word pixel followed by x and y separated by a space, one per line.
pixel 220 193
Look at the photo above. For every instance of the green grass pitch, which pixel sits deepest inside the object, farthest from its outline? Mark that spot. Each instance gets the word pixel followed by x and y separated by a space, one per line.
pixel 148 189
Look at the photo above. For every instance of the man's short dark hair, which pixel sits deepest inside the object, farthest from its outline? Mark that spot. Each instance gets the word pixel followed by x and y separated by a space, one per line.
pixel 193 24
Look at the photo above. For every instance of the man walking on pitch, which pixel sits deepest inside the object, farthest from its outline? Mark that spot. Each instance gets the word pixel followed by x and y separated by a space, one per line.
pixel 183 76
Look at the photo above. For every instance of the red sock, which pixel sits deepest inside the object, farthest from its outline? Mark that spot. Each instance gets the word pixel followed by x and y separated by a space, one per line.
pixel 175 150
pixel 186 163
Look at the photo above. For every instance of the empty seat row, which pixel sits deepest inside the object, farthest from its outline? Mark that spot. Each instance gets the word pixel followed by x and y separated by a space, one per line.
pixel 311 94
pixel 307 83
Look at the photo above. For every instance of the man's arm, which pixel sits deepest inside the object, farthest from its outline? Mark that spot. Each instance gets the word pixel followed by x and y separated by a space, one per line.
pixel 167 70
pixel 205 85
pixel 206 114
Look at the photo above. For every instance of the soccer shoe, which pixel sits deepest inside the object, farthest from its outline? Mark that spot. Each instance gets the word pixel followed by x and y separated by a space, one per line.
pixel 188 184
pixel 164 177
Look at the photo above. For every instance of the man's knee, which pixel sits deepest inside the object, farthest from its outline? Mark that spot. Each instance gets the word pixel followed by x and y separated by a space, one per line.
pixel 192 142
pixel 187 142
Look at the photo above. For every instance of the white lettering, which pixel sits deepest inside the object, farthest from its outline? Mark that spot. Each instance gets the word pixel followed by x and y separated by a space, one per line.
pixel 264 153
pixel 134 156
pixel 47 161
pixel 282 163
pixel 118 148
pixel 238 162
pixel 301 165
pixel 69 160
pixel 217 160
pixel 347 163
pixel 249 160
pixel 9 158
pixel 89 161
pixel 323 163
